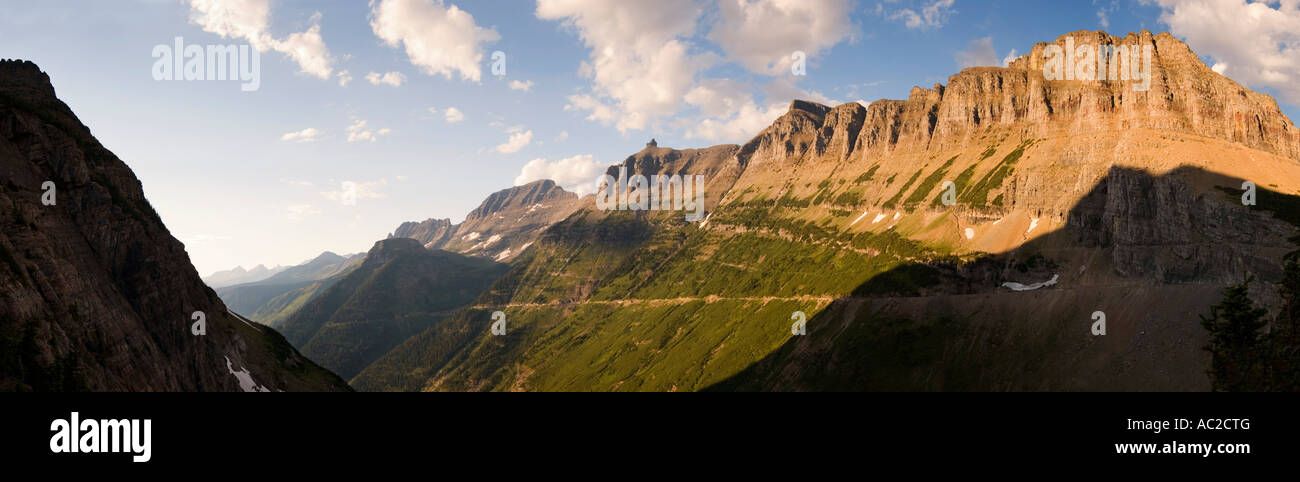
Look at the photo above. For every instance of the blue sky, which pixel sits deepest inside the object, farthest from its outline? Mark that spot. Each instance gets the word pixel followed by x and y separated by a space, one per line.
pixel 602 78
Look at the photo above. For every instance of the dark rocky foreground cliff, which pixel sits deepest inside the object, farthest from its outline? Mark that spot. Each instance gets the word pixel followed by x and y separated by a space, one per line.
pixel 95 293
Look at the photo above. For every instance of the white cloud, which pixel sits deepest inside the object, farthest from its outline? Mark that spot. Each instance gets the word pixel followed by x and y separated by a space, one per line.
pixel 563 135
pixel 453 115
pixel 1258 41
pixel 641 62
pixel 932 15
pixel 526 86
pixel 739 127
pixel 250 19
pixel 729 113
pixel 979 53
pixel 440 39
pixel 308 49
pixel 309 134
pixel 1104 11
pixel 358 132
pixel 1011 57
pixel 394 79
pixel 763 34
pixel 344 78
pixel 577 174
pixel 517 141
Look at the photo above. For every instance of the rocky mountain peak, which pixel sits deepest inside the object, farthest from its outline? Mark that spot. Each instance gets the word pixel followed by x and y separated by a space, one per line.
pixel 520 197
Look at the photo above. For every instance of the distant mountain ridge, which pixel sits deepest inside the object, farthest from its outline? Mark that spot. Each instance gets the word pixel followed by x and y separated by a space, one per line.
pixel 252 299
pixel 238 275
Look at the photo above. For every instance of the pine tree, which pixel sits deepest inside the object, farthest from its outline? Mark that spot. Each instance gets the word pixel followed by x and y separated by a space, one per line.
pixel 1235 341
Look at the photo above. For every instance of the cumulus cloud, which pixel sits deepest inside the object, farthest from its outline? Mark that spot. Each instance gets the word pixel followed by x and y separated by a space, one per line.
pixel 453 115
pixel 526 86
pixel 646 71
pixel 250 19
pixel 345 78
pixel 1257 43
pixel 563 135
pixel 933 15
pixel 394 79
pixel 441 39
pixel 641 62
pixel 306 135
pixel 728 111
pixel 577 174
pixel 762 34
pixel 358 132
pixel 979 53
pixel 518 140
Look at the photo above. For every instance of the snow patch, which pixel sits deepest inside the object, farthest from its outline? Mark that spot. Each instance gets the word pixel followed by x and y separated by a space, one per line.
pixel 525 246
pixel 1021 287
pixel 471 236
pixel 503 255
pixel 897 215
pixel 246 382
pixel 855 221
pixel 491 241
pixel 1032 224
pixel 879 217
pixel 970 233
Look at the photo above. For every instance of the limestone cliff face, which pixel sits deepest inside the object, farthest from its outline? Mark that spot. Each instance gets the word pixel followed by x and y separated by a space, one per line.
pixel 95 293
pixel 1025 151
pixel 1184 96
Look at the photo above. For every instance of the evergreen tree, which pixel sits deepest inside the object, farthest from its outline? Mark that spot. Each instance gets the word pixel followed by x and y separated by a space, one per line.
pixel 1235 341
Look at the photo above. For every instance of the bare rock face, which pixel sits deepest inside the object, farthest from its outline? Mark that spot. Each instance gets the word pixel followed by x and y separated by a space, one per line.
pixel 1028 149
pixel 503 225
pixel 720 166
pixel 95 293
pixel 433 232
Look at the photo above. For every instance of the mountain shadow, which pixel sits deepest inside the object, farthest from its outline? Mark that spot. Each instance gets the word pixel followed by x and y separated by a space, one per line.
pixel 1146 253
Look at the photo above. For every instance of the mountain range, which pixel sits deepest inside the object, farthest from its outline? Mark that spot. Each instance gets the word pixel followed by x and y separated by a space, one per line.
pixel 1072 201
pixel 239 275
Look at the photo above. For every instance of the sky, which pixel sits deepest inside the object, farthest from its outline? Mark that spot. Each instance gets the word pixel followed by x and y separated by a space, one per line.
pixel 367 114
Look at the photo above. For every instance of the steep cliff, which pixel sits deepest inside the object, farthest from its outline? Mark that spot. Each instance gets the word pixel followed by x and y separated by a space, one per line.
pixel 95 293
